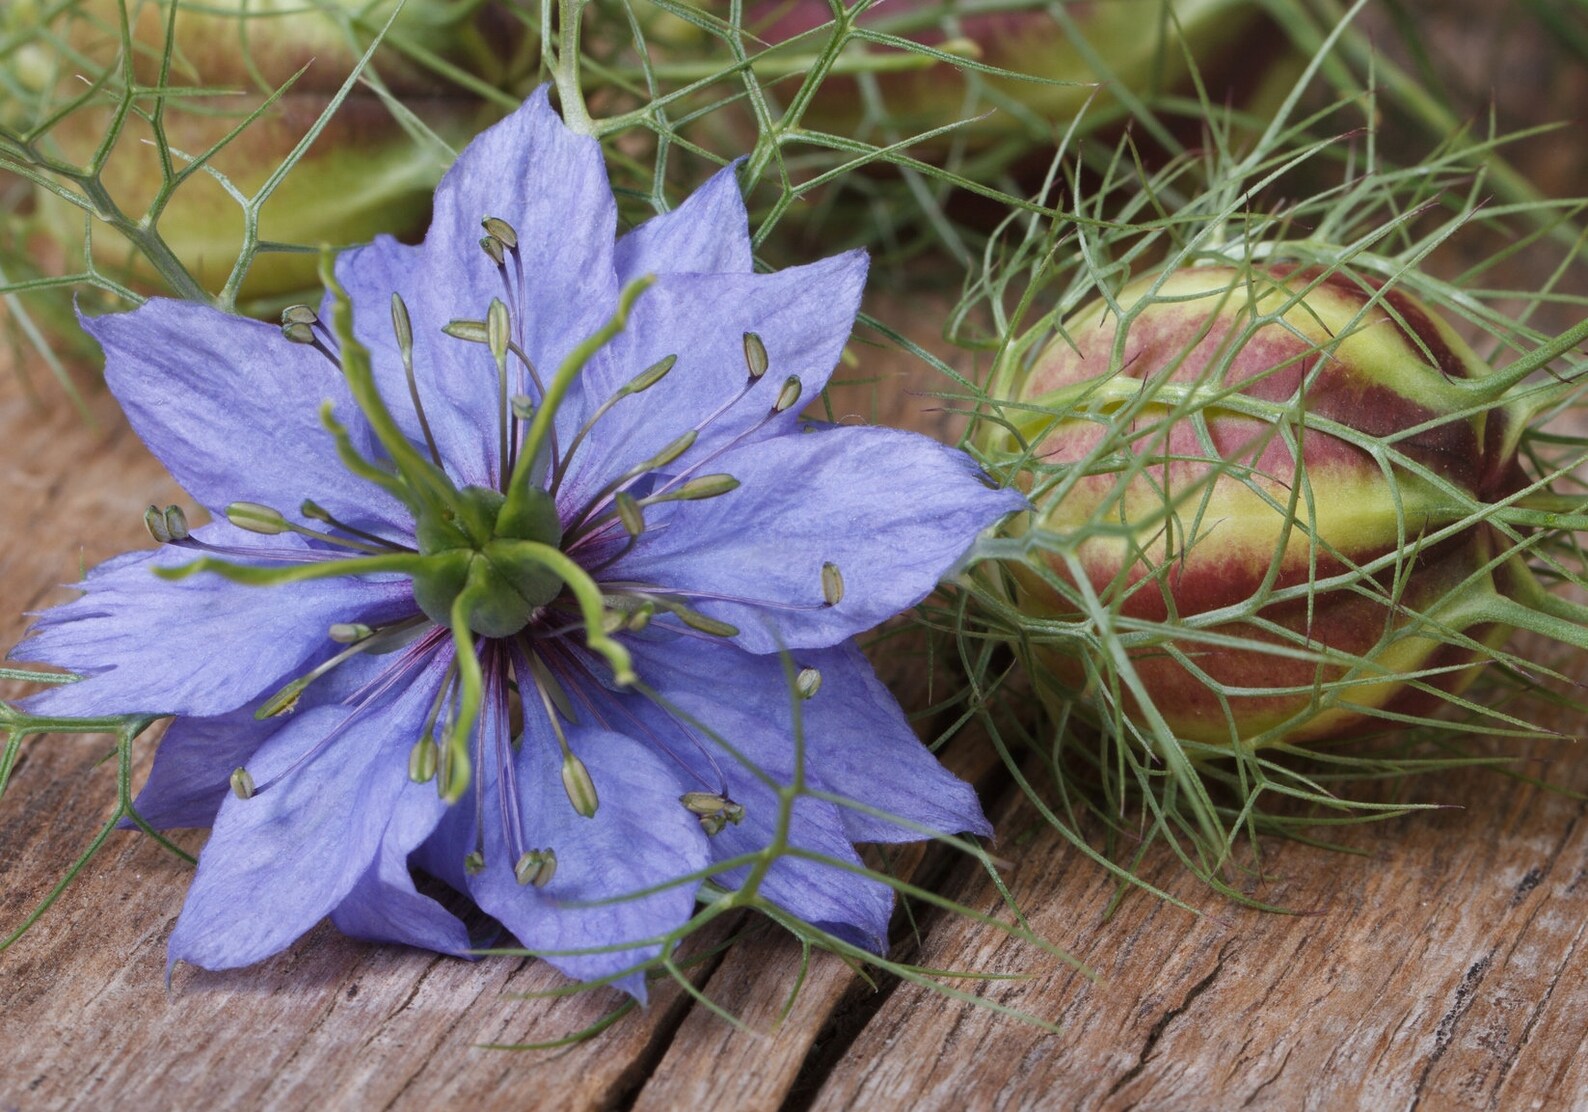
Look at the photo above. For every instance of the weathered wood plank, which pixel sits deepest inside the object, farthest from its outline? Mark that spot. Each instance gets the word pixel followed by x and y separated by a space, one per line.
pixel 1444 967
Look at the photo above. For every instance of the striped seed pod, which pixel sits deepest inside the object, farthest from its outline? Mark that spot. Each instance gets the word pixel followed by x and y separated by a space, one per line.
pixel 1267 494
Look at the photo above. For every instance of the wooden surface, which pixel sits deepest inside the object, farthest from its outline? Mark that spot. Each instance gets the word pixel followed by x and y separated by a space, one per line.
pixel 1443 966
pixel 1444 969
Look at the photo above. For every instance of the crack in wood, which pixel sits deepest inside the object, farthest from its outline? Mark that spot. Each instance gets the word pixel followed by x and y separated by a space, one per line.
pixel 1466 991
pixel 1168 1017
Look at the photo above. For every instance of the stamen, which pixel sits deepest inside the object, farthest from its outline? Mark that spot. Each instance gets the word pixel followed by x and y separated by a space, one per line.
pixel 500 229
pixel 154 521
pixel 661 459
pixel 755 357
pixel 315 512
pixel 256 518
pixel 497 329
pixel 537 867
pixel 176 523
pixel 495 248
pixel 349 633
pixel 474 862
pixel 403 327
pixel 470 331
pixel 832 584
pixel 390 638
pixel 695 490
pixel 269 522
pixel 242 783
pixel 630 513
pixel 641 382
pixel 422 760
pixel 572 660
pixel 576 781
pixel 714 811
pixel 789 396
pixel 507 772
pixel 167 526
pixel 807 683
pixel 698 621
pixel 580 787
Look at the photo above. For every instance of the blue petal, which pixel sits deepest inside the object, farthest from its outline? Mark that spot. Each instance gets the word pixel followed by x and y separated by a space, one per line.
pixel 802 314
pixel 550 185
pixel 384 906
pixel 149 645
pixel 193 765
pixel 279 862
pixel 640 837
pixel 857 742
pixel 708 234
pixel 233 410
pixel 892 510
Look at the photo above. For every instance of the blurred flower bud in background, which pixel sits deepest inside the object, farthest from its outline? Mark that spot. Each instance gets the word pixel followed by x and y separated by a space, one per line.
pixel 372 168
pixel 1117 51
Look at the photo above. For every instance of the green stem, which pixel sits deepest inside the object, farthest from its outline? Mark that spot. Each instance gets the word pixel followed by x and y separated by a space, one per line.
pixel 591 605
pixel 565 68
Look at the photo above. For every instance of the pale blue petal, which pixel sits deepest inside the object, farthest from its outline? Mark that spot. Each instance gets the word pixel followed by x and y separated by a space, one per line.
pixel 279 862
pixel 456 381
pixel 708 234
pixel 550 185
pixel 892 510
pixel 857 742
pixel 150 645
pixel 384 906
pixel 233 410
pixel 193 765
pixel 640 836
pixel 803 316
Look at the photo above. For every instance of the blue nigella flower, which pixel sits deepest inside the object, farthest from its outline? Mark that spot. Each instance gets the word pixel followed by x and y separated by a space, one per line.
pixel 507 564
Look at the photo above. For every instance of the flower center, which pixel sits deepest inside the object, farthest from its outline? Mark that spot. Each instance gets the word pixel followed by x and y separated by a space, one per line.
pixel 473 539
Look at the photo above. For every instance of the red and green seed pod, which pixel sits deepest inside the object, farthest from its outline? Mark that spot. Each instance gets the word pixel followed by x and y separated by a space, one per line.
pixel 1100 49
pixel 364 174
pixel 1266 489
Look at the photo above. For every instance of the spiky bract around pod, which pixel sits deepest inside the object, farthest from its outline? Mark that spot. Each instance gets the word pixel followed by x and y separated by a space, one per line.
pixel 1267 506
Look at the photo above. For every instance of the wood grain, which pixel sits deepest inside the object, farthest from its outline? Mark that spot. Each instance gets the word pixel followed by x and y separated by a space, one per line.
pixel 1445 966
